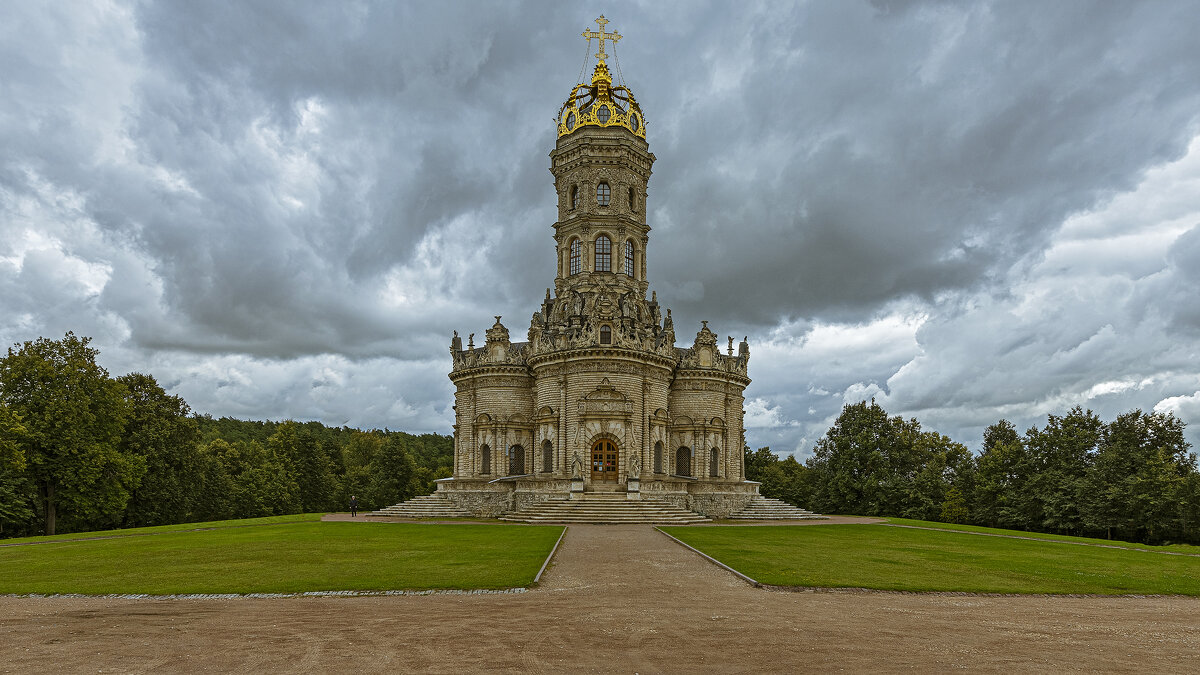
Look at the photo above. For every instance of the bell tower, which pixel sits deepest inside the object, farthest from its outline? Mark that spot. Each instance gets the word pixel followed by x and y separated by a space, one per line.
pixel 601 165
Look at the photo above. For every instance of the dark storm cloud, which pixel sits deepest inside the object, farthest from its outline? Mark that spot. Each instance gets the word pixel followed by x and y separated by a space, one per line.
pixel 858 155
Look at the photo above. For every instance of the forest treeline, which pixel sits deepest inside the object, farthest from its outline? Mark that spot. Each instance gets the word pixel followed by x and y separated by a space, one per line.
pixel 80 450
pixel 1132 478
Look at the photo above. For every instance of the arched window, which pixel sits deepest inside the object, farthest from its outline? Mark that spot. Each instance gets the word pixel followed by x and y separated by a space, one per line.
pixel 605 335
pixel 603 254
pixel 629 258
pixel 683 462
pixel 603 194
pixel 632 201
pixel 547 457
pixel 485 459
pixel 658 457
pixel 714 463
pixel 516 461
pixel 574 197
pixel 576 256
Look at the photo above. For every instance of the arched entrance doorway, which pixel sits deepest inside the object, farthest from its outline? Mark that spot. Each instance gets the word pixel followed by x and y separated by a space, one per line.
pixel 604 461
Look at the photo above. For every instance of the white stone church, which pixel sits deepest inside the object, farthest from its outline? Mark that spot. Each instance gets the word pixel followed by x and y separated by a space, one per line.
pixel 598 402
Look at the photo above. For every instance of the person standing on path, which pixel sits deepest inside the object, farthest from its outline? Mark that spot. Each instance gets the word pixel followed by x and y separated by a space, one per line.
pixel 353 506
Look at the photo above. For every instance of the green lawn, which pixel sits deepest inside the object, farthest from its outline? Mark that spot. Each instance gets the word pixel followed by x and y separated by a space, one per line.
pixel 287 557
pixel 1176 548
pixel 892 558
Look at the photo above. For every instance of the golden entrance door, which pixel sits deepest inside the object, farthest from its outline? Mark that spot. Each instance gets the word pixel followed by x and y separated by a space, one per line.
pixel 604 461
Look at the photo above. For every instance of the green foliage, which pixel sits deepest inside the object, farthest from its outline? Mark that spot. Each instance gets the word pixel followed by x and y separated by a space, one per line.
pixel 872 464
pixel 903 559
pixel 1137 486
pixel 1059 456
pixel 15 496
pixel 1132 478
pixel 160 432
pixel 305 462
pixel 80 451
pixel 74 416
pixel 317 556
pixel 785 479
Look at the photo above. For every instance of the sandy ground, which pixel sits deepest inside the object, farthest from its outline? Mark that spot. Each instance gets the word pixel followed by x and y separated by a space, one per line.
pixel 616 599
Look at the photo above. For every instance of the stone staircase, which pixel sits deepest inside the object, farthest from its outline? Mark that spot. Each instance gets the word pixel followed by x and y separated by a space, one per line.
pixel 425 506
pixel 766 508
pixel 605 508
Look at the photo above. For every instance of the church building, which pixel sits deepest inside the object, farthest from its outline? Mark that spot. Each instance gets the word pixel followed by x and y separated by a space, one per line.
pixel 598 398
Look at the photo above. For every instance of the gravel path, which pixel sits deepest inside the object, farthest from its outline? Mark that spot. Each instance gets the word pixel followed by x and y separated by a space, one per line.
pixel 616 599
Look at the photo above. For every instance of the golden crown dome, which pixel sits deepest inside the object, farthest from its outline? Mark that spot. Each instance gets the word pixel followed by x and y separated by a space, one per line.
pixel 600 104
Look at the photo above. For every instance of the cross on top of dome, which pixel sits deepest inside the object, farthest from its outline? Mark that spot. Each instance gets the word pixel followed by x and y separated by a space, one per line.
pixel 599 103
pixel 602 36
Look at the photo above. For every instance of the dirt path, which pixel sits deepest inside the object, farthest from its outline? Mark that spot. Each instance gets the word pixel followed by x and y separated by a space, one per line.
pixel 617 599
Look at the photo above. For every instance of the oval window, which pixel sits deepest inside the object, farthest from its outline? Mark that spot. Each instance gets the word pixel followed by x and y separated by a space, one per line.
pixel 602 114
pixel 636 121
pixel 571 120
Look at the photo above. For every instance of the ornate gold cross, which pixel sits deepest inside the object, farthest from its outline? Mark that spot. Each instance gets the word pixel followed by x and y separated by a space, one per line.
pixel 602 36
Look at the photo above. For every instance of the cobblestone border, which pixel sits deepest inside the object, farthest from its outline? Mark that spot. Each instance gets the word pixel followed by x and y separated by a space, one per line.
pixel 238 596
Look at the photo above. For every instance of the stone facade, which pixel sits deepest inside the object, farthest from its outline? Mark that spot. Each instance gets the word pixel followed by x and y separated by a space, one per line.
pixel 598 396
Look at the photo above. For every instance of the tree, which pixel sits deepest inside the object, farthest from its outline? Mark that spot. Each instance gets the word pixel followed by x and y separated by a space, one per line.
pixel 1001 474
pixel 307 464
pixel 758 462
pixel 871 464
pixel 1060 455
pixel 393 474
pixel 14 501
pixel 785 479
pixel 74 414
pixel 160 431
pixel 358 456
pixel 936 488
pixel 1136 484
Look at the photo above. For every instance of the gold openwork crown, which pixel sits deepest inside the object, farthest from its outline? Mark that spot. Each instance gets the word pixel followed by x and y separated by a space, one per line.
pixel 600 104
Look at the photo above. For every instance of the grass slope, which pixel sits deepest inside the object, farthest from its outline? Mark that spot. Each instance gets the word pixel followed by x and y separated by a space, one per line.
pixel 901 559
pixel 285 557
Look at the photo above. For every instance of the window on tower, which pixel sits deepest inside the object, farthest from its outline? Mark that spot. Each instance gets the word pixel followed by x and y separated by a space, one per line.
pixel 576 255
pixel 574 197
pixel 629 258
pixel 603 254
pixel 603 194
pixel 632 201
pixel 605 335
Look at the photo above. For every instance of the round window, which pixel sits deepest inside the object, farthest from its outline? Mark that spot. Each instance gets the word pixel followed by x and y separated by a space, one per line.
pixel 636 121
pixel 570 120
pixel 602 114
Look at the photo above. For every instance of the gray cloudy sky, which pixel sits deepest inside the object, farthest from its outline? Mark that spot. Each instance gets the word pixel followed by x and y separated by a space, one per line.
pixel 281 209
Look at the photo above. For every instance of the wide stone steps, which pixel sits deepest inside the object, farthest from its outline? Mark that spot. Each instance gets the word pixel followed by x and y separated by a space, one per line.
pixel 605 509
pixel 766 508
pixel 425 506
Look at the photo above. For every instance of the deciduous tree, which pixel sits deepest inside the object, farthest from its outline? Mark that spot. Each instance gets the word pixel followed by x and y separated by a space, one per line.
pixel 73 414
